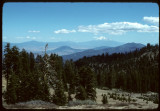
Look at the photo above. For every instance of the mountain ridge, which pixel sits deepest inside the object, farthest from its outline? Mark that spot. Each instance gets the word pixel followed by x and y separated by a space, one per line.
pixel 91 52
pixel 36 46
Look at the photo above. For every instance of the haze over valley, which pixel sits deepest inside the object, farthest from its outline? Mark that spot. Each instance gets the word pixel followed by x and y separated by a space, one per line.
pixel 80 55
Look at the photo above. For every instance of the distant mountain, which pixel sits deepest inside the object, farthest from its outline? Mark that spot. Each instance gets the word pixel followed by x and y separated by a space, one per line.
pixel 102 47
pixel 28 46
pixel 123 48
pixel 99 43
pixel 91 52
pixel 35 46
pixel 76 50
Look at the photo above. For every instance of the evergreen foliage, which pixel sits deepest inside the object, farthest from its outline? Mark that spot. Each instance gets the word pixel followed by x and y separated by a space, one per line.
pixel 69 96
pixel 135 71
pixel 69 70
pixel 81 93
pixel 56 82
pixel 10 95
pixel 104 99
pixel 7 64
pixel 86 83
pixel 59 97
pixel 30 78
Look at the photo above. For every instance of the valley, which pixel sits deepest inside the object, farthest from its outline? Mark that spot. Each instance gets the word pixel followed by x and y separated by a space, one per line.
pixel 75 55
pixel 114 78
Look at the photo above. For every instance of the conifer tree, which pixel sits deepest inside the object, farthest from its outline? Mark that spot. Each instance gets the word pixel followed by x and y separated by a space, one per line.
pixel 15 60
pixel 113 78
pixel 90 87
pixel 81 93
pixel 7 63
pixel 25 61
pixel 31 61
pixel 104 99
pixel 59 97
pixel 87 83
pixel 70 74
pixel 64 81
pixel 10 95
pixel 52 78
pixel 56 83
pixel 69 95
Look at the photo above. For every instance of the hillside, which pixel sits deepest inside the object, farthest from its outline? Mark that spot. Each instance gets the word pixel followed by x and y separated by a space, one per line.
pixel 92 52
pixel 125 68
pixel 126 80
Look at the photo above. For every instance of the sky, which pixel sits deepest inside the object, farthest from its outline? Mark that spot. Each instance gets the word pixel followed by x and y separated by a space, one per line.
pixel 80 22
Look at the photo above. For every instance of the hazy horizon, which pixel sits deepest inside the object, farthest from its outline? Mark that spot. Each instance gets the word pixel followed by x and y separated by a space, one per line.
pixel 79 42
pixel 80 22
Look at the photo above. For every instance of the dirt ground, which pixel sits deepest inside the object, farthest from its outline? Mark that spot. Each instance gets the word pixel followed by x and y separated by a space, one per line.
pixel 115 104
pixel 112 104
pixel 139 104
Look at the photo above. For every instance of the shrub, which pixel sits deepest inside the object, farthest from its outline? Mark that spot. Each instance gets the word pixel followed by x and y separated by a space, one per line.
pixel 134 100
pixel 147 102
pixel 104 99
pixel 124 99
pixel 156 101
pixel 121 104
pixel 35 102
pixel 118 97
pixel 129 99
pixel 114 97
pixel 102 95
pixel 105 88
pixel 139 97
pixel 111 96
pixel 81 102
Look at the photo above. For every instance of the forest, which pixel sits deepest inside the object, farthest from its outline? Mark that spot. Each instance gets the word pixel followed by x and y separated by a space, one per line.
pixel 30 78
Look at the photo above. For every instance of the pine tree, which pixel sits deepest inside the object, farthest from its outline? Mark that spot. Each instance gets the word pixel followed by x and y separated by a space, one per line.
pixel 113 78
pixel 69 95
pixel 7 63
pixel 55 80
pixel 59 97
pixel 64 81
pixel 104 99
pixel 15 60
pixel 81 93
pixel 129 99
pixel 70 73
pixel 43 86
pixel 90 87
pixel 87 82
pixel 31 61
pixel 25 61
pixel 53 77
pixel 10 95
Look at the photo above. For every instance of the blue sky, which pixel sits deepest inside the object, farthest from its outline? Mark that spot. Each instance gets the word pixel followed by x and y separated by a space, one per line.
pixel 79 22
